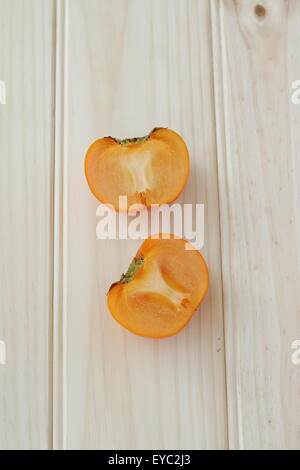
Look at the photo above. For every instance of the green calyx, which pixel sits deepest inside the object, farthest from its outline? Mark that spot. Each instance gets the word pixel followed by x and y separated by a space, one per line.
pixel 134 140
pixel 135 265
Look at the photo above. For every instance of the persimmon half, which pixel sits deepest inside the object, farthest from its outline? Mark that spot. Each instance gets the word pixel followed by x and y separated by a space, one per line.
pixel 148 170
pixel 164 285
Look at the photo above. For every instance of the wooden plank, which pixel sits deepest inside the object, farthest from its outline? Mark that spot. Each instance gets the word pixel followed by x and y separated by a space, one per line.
pixel 132 65
pixel 256 61
pixel 26 33
pixel 59 214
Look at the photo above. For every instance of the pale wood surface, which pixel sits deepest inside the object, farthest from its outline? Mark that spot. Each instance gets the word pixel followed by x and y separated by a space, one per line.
pixel 133 65
pixel 256 61
pixel 26 40
pixel 120 67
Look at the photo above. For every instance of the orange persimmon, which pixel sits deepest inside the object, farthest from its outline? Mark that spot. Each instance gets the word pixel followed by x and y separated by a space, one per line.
pixel 165 283
pixel 148 170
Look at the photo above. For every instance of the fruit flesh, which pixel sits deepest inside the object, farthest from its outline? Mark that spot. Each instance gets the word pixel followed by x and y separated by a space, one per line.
pixel 164 291
pixel 153 170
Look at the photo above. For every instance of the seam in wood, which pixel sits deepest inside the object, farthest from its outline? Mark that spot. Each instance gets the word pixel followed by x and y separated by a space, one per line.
pixel 59 431
pixel 51 246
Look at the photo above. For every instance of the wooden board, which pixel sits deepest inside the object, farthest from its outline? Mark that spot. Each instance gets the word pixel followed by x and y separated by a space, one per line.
pixel 256 61
pixel 131 65
pixel 26 34
pixel 220 73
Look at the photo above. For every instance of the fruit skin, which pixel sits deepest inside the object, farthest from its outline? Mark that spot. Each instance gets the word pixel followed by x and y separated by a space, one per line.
pixel 138 276
pixel 149 170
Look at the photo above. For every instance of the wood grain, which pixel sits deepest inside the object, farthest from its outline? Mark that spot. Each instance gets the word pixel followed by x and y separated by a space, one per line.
pixel 81 69
pixel 26 34
pixel 256 61
pixel 132 65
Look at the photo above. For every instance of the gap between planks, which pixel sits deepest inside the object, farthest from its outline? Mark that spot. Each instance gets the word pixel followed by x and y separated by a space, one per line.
pixel 59 338
pixel 234 430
